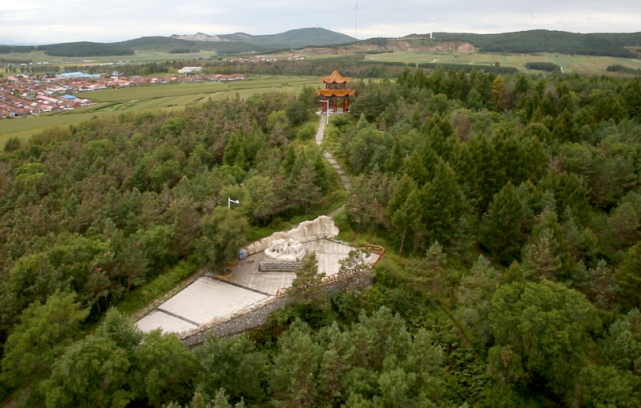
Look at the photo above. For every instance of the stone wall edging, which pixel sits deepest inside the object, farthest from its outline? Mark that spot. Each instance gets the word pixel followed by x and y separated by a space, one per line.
pixel 257 315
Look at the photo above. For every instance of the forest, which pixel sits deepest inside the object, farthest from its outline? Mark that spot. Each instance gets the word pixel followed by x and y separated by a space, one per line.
pixel 509 205
pixel 533 41
pixel 84 49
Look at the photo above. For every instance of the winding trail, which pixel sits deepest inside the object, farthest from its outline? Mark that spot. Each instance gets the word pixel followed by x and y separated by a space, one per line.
pixel 319 139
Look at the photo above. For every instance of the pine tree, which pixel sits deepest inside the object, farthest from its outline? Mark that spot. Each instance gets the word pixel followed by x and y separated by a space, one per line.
pixel 536 159
pixel 565 128
pixel 510 156
pixel 603 290
pixel 502 226
pixel 235 153
pixel 632 96
pixel 489 176
pixel 430 273
pixel 548 106
pixel 443 205
pixel 474 101
pixel 414 167
pixel 467 172
pixel 404 187
pixel 540 256
pixel 395 160
pixel 629 277
pixel 308 280
pixel 568 191
pixel 407 218
pixel 498 92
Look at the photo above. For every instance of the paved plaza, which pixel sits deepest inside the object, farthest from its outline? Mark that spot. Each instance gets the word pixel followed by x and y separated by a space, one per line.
pixel 209 298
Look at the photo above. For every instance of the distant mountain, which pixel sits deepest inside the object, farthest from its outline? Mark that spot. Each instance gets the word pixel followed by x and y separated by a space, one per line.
pixel 169 44
pixel 213 38
pixel 302 37
pixel 178 44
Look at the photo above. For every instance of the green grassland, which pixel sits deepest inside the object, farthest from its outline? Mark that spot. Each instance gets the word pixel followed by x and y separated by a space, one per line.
pixel 571 63
pixel 150 98
pixel 140 57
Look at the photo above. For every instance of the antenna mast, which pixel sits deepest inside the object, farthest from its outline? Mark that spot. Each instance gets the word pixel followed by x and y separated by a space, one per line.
pixel 356 21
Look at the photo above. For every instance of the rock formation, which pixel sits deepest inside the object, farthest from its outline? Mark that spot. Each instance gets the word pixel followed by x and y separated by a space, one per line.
pixel 320 228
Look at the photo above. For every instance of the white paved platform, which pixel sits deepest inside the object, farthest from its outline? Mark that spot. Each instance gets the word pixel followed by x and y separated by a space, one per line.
pixel 199 303
pixel 161 320
pixel 208 298
pixel 328 253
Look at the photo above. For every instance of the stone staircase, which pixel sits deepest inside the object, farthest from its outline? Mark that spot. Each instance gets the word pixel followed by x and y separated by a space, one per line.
pixel 319 139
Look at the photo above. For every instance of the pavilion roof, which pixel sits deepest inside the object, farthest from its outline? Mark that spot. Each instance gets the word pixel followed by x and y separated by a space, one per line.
pixel 336 92
pixel 336 78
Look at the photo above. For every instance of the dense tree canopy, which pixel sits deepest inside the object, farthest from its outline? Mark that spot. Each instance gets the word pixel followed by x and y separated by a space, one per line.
pixel 514 200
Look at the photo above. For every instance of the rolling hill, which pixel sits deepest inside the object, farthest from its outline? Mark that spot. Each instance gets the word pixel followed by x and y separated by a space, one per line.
pixel 322 41
pixel 603 44
pixel 85 49
pixel 302 37
pixel 169 44
pixel 222 44
pixel 526 42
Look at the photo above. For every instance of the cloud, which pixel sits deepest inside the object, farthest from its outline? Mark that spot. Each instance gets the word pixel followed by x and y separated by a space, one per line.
pixel 38 21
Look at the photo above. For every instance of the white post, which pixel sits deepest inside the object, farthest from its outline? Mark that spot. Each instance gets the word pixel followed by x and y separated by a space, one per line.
pixel 229 201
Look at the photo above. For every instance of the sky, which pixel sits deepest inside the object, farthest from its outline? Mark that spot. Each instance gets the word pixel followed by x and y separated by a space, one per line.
pixel 46 22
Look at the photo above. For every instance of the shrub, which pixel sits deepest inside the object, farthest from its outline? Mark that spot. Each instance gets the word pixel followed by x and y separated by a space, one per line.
pixel 306 132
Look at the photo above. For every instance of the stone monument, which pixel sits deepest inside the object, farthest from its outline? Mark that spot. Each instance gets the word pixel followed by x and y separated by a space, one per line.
pixel 284 250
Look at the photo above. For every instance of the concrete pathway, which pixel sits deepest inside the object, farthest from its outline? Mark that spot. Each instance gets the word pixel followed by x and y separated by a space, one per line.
pixel 319 139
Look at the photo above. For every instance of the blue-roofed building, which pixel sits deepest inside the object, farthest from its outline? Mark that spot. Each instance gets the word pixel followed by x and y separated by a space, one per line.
pixel 77 75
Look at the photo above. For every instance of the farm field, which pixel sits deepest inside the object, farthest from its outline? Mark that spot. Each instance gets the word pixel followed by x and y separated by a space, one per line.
pixel 140 57
pixel 151 98
pixel 571 63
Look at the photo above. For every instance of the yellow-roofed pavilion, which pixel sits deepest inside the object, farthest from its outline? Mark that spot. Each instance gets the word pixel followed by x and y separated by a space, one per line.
pixel 335 96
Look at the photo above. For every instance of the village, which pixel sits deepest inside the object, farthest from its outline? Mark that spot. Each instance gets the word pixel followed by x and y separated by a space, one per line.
pixel 24 95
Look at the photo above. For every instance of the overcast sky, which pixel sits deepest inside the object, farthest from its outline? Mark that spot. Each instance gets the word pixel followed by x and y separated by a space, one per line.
pixel 43 22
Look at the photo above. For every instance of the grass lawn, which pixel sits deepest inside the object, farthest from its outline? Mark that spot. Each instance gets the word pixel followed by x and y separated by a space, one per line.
pixel 571 63
pixel 150 98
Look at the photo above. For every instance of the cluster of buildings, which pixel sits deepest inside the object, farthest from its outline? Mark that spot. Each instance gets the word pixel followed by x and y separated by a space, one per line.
pixel 23 95
pixel 232 77
pixel 255 58
pixel 31 95
pixel 262 58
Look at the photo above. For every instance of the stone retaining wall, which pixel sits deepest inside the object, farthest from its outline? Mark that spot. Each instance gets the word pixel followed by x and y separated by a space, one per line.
pixel 257 314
